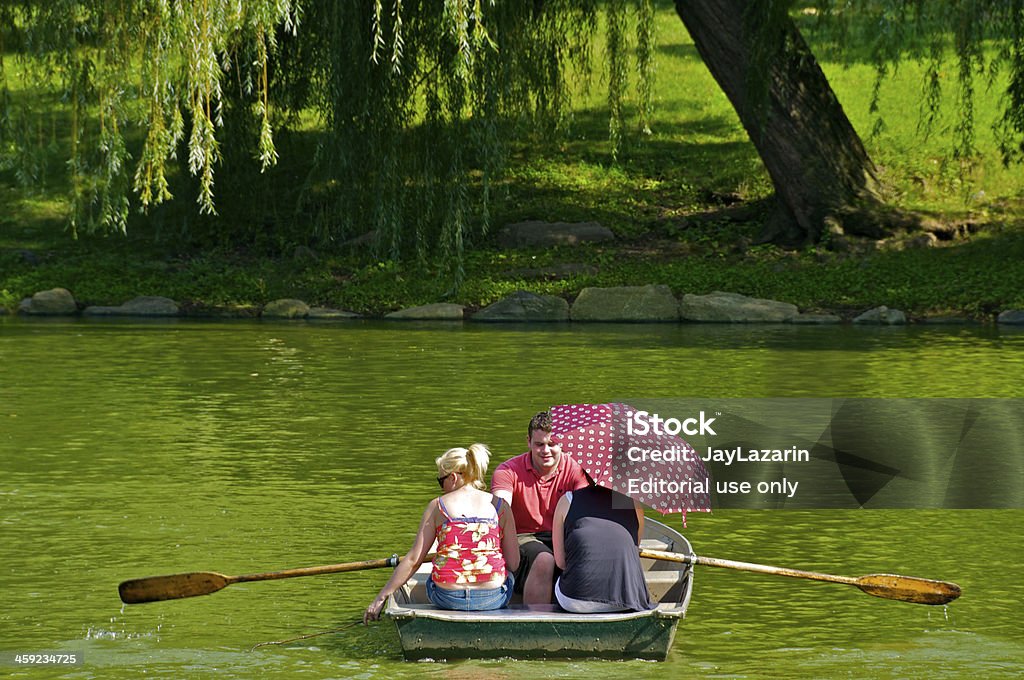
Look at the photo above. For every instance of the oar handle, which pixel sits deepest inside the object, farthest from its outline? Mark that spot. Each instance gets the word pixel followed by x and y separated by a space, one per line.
pixel 318 571
pixel 745 566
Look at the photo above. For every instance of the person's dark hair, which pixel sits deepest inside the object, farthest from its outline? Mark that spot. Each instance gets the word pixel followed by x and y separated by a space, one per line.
pixel 541 421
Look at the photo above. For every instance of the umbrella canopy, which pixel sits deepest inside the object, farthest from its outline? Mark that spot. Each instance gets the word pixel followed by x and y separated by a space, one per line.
pixel 660 470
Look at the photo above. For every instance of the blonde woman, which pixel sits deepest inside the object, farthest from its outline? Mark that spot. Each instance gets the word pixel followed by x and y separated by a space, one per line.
pixel 477 549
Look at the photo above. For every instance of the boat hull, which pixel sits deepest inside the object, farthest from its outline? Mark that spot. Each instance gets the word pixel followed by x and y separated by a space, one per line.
pixel 545 631
pixel 558 636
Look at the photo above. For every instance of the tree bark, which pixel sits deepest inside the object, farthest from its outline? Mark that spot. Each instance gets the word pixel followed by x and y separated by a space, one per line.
pixel 817 163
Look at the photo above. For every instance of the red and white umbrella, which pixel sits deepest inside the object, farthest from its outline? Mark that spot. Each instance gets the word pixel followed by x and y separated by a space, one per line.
pixel 660 470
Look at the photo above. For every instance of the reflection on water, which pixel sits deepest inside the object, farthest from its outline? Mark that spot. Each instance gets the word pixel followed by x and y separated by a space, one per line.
pixel 138 449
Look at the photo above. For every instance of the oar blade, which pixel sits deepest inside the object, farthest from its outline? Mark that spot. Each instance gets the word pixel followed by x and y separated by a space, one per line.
pixel 908 588
pixel 172 587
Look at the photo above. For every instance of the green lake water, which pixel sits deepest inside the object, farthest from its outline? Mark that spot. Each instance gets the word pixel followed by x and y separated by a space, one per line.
pixel 134 449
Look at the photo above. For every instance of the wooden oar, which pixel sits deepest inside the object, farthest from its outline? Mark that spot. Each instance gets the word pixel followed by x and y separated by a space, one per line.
pixel 891 586
pixel 177 586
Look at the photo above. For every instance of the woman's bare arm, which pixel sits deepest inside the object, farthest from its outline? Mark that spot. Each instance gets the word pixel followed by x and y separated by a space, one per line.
pixel 409 564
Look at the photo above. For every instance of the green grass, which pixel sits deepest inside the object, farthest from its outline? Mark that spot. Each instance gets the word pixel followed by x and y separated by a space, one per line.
pixel 696 159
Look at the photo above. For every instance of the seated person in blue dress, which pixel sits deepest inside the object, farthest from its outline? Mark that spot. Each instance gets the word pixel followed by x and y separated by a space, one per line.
pixel 596 536
pixel 477 548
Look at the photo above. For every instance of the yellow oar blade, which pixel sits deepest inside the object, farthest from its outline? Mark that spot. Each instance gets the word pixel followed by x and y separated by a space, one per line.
pixel 908 588
pixel 173 587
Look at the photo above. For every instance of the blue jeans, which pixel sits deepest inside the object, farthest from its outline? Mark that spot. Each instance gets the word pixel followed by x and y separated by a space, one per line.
pixel 471 599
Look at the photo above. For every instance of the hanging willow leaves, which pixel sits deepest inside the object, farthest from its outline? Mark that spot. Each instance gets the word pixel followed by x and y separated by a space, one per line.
pixel 414 102
pixel 983 40
pixel 645 61
pixel 155 66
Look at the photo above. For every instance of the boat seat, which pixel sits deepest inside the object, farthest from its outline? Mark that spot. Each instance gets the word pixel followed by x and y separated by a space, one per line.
pixel 655 544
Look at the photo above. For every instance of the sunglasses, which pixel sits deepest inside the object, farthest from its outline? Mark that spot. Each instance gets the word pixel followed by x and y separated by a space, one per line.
pixel 440 480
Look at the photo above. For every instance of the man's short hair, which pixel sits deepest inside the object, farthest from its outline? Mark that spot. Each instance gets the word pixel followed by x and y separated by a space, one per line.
pixel 541 421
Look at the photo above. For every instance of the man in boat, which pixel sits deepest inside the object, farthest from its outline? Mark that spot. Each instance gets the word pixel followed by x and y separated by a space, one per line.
pixel 532 484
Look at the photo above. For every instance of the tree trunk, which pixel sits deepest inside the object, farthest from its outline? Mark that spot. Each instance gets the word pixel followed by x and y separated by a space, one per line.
pixel 817 163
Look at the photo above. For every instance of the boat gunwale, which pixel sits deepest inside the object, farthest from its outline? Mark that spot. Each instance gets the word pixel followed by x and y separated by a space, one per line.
pixel 513 614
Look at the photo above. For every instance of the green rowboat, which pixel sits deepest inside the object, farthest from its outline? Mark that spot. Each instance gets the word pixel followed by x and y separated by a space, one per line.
pixel 525 632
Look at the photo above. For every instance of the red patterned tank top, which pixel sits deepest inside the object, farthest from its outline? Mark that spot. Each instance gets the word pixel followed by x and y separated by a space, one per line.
pixel 468 549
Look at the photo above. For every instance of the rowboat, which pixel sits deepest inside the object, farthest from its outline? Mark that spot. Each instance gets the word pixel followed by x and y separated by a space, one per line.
pixel 545 631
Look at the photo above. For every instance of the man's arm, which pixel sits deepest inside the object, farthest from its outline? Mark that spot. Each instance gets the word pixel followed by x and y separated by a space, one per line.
pixel 579 478
pixel 502 484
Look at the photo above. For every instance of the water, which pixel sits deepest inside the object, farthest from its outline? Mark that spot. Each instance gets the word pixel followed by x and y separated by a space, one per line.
pixel 134 449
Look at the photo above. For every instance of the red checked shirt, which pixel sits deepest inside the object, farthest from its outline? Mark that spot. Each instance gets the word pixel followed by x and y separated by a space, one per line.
pixel 534 499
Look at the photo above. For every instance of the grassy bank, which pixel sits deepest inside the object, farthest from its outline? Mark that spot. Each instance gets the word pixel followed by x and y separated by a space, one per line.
pixel 670 200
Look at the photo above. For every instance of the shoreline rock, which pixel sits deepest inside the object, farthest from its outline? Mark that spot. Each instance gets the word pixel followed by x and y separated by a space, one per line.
pixel 1011 317
pixel 525 306
pixel 144 305
pixel 287 308
pixel 721 307
pixel 651 303
pixel 329 314
pixel 635 304
pixel 53 302
pixel 439 311
pixel 882 316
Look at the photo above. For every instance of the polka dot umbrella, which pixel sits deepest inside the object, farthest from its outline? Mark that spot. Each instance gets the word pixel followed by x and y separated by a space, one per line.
pixel 660 470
